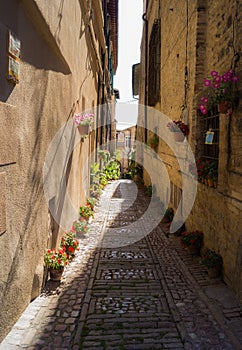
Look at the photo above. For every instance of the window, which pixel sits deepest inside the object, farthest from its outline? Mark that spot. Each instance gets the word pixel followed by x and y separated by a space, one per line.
pixel 210 123
pixel 154 64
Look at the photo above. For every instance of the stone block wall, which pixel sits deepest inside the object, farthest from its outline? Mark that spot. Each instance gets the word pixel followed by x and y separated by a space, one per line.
pixel 196 38
pixel 58 67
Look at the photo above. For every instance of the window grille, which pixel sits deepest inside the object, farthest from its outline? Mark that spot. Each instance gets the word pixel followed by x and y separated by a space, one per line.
pixel 210 122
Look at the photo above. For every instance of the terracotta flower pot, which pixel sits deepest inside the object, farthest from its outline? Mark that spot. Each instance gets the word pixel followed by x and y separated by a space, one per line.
pixel 179 137
pixel 55 275
pixel 83 129
pixel 194 250
pixel 210 182
pixel 224 106
pixel 213 272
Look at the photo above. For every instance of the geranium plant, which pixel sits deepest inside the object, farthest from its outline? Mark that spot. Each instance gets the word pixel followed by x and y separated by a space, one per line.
pixel 91 202
pixel 56 259
pixel 218 88
pixel 69 243
pixel 83 119
pixel 153 141
pixel 80 226
pixel 204 169
pixel 211 259
pixel 194 239
pixel 177 126
pixel 86 211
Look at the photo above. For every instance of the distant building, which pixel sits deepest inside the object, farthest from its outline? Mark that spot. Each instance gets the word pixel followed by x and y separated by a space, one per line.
pixel 125 144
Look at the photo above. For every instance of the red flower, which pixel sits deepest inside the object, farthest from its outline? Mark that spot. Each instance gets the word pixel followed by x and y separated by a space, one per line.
pixel 71 249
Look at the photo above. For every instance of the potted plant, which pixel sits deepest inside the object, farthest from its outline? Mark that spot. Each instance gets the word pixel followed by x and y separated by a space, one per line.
pixel 86 212
pixel 83 122
pixel 193 241
pixel 179 129
pixel 213 262
pixel 112 170
pixel 104 155
pixel 91 202
pixel 206 171
pixel 80 227
pixel 95 191
pixel 153 142
pixel 69 243
pixel 55 260
pixel 168 216
pixel 219 90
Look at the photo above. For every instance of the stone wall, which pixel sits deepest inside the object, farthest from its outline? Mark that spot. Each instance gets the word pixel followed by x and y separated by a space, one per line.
pixel 195 40
pixel 59 75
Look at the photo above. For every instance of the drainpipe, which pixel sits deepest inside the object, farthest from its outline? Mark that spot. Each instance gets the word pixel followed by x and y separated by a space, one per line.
pixel 146 70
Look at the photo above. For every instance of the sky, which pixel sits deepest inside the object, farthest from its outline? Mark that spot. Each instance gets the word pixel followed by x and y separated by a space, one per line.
pixel 130 32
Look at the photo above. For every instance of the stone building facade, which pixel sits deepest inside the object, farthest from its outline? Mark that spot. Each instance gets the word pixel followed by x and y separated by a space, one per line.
pixel 125 144
pixel 57 58
pixel 183 41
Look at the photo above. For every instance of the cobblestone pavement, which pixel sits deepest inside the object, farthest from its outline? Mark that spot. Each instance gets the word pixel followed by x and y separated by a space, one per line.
pixel 151 294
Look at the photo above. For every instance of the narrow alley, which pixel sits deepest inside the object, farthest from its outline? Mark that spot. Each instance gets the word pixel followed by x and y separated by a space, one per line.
pixel 151 294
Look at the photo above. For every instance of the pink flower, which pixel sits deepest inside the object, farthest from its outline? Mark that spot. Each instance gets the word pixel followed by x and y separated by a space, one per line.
pixel 216 85
pixel 225 78
pixel 235 79
pixel 217 79
pixel 204 110
pixel 204 99
pixel 207 82
pixel 214 73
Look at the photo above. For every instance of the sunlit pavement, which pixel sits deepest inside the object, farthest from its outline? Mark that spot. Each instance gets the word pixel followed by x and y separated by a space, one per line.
pixel 151 294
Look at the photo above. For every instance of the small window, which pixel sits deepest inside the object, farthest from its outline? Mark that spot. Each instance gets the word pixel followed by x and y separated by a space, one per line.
pixel 154 64
pixel 210 124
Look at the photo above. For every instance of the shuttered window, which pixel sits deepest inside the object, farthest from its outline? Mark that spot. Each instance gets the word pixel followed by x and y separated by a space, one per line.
pixel 154 64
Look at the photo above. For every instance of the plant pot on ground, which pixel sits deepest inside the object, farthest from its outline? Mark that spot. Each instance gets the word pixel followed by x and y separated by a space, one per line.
pixel 168 216
pixel 193 241
pixel 213 262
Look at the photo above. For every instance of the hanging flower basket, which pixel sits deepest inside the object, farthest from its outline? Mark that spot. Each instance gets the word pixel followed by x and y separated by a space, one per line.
pixel 179 136
pixel 179 129
pixel 83 122
pixel 83 129
pixel 224 106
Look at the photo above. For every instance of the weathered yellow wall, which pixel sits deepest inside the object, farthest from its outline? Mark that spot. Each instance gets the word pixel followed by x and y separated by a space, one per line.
pixel 58 67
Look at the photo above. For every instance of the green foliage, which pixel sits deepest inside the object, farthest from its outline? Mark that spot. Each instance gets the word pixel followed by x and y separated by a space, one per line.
pixel 169 214
pixel 194 238
pixel 81 226
pixel 148 190
pixel 86 211
pixel 95 170
pixel 112 170
pixel 69 243
pixel 153 141
pixel 91 202
pixel 56 258
pixel 211 259
pixel 104 155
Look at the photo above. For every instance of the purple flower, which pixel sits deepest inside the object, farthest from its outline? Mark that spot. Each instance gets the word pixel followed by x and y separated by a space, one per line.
pixel 207 82
pixel 216 85
pixel 214 73
pixel 225 78
pixel 204 111
pixel 204 99
pixel 217 79
pixel 235 79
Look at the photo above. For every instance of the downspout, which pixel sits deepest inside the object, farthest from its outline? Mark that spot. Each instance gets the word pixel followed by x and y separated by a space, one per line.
pixel 146 71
